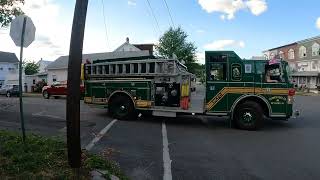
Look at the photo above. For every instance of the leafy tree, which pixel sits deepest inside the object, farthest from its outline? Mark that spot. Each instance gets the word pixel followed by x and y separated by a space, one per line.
pixel 174 41
pixel 8 10
pixel 198 70
pixel 31 68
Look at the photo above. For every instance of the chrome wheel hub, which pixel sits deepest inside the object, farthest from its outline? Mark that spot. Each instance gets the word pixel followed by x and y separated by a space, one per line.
pixel 247 117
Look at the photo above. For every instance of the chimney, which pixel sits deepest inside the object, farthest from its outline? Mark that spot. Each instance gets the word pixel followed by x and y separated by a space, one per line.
pixel 127 40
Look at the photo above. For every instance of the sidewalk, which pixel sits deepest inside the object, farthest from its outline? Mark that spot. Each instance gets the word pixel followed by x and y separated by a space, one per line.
pixel 299 93
pixel 31 95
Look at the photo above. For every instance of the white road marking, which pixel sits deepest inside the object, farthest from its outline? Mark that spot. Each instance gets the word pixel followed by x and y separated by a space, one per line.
pixel 166 156
pixel 100 135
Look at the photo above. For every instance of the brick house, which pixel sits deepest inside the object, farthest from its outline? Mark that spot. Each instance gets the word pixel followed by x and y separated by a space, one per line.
pixel 303 58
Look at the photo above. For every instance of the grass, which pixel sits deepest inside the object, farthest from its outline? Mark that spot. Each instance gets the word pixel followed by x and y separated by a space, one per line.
pixel 45 158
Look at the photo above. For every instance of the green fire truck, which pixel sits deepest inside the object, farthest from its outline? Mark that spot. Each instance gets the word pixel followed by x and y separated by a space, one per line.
pixel 248 91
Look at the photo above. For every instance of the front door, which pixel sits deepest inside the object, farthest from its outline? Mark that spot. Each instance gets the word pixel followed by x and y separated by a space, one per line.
pixel 273 86
pixel 217 83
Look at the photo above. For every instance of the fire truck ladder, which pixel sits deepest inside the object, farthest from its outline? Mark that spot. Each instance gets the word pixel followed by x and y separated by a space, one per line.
pixel 135 68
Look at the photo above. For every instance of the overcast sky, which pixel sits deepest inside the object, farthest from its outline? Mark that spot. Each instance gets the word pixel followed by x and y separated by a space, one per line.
pixel 245 26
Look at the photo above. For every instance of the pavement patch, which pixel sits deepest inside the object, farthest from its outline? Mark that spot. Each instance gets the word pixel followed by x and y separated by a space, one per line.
pixel 43 114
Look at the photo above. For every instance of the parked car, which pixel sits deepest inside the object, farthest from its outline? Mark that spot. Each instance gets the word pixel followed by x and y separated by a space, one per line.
pixel 57 89
pixel 10 90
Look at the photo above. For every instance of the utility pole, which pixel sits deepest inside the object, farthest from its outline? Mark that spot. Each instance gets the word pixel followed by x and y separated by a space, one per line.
pixel 74 73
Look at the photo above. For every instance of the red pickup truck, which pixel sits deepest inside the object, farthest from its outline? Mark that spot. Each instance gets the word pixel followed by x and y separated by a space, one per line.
pixel 58 89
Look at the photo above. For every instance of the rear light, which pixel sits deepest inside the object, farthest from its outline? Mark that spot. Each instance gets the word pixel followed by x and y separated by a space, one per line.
pixel 291 92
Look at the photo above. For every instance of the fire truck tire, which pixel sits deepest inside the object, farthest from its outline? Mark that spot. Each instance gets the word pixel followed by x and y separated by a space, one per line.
pixel 249 116
pixel 45 94
pixel 121 107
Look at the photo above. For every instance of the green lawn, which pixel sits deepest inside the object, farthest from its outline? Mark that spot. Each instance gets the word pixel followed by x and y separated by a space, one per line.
pixel 45 158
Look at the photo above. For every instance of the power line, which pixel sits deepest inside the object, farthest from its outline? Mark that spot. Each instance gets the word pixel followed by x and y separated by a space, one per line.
pixel 156 32
pixel 105 24
pixel 154 16
pixel 169 12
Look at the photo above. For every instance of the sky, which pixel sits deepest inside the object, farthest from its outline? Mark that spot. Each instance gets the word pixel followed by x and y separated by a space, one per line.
pixel 246 26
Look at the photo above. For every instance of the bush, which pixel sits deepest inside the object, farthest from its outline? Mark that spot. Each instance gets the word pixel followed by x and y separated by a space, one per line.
pixel 39 86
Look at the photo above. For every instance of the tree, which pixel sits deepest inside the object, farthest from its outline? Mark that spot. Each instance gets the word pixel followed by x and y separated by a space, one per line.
pixel 174 41
pixel 31 68
pixel 8 10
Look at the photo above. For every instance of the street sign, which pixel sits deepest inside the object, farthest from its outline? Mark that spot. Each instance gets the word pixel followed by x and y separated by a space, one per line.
pixel 16 30
pixel 22 32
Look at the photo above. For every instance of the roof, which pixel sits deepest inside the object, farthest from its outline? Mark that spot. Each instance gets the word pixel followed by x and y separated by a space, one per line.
pixel 309 39
pixel 134 48
pixel 44 62
pixel 258 58
pixel 298 42
pixel 148 47
pixel 38 74
pixel 306 73
pixel 8 57
pixel 281 47
pixel 62 62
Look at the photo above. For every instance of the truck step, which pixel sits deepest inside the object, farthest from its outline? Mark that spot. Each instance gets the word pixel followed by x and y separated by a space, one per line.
pixel 164 113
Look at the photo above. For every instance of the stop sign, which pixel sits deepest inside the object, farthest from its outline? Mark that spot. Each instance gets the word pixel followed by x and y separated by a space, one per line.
pixel 16 31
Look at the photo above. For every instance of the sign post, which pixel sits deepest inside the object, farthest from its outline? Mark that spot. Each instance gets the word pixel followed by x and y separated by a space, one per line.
pixel 73 91
pixel 22 32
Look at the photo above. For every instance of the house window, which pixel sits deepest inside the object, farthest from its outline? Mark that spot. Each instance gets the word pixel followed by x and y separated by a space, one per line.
pixel 1 68
pixel 281 55
pixel 315 49
pixel 291 54
pixel 34 81
pixel 302 52
pixel 54 78
pixel 314 65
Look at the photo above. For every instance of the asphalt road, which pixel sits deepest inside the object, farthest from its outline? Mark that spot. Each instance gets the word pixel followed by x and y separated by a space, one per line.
pixel 199 147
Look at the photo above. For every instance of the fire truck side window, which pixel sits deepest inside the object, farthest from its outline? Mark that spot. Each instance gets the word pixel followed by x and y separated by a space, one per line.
pixel 217 72
pixel 273 73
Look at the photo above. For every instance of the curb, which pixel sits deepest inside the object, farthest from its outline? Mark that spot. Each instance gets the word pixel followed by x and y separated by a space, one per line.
pixel 98 175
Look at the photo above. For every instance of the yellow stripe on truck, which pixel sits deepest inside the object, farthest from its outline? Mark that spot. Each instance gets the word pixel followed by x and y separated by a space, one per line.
pixel 244 90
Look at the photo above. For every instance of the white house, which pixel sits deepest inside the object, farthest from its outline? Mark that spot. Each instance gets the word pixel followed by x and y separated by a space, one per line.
pixel 58 70
pixel 31 80
pixel 43 65
pixel 9 72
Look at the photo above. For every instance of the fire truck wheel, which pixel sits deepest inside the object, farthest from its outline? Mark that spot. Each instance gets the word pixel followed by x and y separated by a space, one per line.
pixel 249 116
pixel 45 94
pixel 121 107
